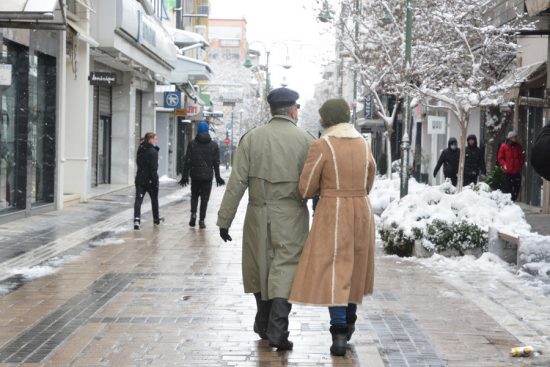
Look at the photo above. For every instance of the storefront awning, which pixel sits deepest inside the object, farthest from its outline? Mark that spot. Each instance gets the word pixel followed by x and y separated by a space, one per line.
pixel 82 34
pixel 508 88
pixel 535 7
pixel 33 14
pixel 188 69
pixel 183 38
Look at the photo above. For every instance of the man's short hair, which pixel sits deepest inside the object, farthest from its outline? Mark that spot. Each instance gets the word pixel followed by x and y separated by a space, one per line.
pixel 281 111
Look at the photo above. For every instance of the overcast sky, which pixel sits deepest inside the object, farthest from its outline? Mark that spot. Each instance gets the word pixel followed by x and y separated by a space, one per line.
pixel 292 22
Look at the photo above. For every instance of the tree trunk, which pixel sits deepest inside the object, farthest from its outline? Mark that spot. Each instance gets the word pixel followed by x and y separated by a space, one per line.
pixel 389 134
pixel 463 131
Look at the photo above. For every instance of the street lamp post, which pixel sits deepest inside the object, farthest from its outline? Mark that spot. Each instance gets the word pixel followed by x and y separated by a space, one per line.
pixel 405 144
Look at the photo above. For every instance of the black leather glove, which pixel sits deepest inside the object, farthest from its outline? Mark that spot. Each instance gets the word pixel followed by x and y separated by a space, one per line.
pixel 224 234
pixel 184 181
pixel 220 181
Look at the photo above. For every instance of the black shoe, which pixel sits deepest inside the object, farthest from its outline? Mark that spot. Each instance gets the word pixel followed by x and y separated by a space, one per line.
pixel 260 331
pixel 159 221
pixel 339 340
pixel 193 220
pixel 201 224
pixel 282 345
pixel 136 225
pixel 351 326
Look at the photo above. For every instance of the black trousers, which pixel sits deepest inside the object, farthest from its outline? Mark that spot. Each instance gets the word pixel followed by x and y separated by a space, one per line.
pixel 469 179
pixel 200 189
pixel 514 185
pixel 153 192
pixel 454 179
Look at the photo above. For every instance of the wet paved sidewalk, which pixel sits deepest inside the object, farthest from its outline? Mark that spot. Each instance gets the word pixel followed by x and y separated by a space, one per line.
pixel 172 296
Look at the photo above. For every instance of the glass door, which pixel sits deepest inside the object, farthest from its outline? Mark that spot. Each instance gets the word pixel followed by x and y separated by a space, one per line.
pixel 104 150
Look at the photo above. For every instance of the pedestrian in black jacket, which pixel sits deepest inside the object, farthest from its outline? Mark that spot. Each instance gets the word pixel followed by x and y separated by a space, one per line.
pixel 449 160
pixel 474 164
pixel 201 162
pixel 147 179
pixel 540 154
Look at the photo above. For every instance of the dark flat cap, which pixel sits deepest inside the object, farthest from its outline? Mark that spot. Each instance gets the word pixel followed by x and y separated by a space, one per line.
pixel 282 97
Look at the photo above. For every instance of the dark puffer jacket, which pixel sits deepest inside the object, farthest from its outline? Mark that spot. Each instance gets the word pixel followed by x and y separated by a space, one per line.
pixel 147 165
pixel 540 154
pixel 449 160
pixel 202 159
pixel 475 161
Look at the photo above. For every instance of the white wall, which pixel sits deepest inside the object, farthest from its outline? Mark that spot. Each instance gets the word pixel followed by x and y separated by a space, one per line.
pixel 123 131
pixel 533 49
pixel 78 122
pixel 163 133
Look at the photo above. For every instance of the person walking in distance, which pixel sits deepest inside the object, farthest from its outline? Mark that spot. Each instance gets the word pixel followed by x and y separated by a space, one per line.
pixel 337 265
pixel 474 164
pixel 449 160
pixel 147 179
pixel 511 158
pixel 202 161
pixel 268 163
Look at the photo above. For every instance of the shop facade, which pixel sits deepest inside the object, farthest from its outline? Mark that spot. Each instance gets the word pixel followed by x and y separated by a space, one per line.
pixel 28 120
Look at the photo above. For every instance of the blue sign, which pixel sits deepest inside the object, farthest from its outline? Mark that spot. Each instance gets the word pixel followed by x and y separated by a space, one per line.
pixel 173 100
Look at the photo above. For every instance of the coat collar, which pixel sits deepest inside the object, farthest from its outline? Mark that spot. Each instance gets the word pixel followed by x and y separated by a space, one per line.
pixel 342 130
pixel 282 117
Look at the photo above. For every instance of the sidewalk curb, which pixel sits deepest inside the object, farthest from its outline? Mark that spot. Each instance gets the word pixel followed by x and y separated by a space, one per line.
pixel 60 245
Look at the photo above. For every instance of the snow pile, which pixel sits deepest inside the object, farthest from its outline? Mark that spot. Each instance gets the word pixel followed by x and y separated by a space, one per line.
pixel 534 248
pixel 34 272
pixel 476 205
pixel 386 191
pixel 437 211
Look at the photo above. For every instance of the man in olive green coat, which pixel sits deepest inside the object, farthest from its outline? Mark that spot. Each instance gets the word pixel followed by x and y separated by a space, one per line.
pixel 268 163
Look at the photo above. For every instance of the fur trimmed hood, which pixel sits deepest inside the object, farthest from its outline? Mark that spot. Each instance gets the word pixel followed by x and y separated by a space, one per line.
pixel 342 130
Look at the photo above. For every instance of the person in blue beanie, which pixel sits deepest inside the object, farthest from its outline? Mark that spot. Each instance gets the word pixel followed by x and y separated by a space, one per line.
pixel 202 161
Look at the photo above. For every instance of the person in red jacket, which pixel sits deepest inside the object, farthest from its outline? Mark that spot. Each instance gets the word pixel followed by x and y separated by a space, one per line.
pixel 511 158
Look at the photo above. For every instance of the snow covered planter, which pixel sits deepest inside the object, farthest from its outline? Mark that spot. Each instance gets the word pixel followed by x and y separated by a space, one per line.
pixel 435 219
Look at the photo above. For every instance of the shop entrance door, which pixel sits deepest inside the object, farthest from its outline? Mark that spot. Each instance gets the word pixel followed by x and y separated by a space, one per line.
pixel 104 150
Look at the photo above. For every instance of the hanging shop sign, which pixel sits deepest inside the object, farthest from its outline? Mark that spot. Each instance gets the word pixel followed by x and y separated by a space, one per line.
pixel 173 100
pixel 5 74
pixel 102 78
pixel 437 125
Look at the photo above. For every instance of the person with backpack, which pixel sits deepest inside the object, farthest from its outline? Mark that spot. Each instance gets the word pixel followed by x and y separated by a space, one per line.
pixel 202 161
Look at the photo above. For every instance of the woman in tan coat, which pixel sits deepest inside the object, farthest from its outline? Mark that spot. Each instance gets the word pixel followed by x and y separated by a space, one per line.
pixel 336 268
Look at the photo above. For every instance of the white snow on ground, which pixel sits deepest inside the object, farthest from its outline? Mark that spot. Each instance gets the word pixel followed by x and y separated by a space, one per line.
pixel 59 261
pixel 34 272
pixel 107 242
pixel 425 204
pixel 179 194
pixel 166 179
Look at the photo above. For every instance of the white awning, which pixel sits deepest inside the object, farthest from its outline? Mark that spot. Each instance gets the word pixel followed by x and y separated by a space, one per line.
pixel 32 14
pixel 82 35
pixel 188 69
pixel 521 75
pixel 182 37
pixel 535 7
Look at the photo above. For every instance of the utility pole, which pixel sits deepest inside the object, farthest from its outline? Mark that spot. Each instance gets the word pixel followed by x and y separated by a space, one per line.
pixel 406 143
pixel 267 78
pixel 231 139
pixel 357 11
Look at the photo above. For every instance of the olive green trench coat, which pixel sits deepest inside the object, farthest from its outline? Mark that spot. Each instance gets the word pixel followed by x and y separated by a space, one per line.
pixel 268 163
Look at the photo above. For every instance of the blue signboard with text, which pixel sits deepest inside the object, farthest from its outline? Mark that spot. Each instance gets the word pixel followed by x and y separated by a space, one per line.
pixel 173 100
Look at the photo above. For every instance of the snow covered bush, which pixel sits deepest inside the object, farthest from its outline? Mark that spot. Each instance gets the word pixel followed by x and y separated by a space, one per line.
pixel 460 236
pixel 442 221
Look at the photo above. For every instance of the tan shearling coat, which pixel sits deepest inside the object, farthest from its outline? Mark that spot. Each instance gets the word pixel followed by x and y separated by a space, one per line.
pixel 337 263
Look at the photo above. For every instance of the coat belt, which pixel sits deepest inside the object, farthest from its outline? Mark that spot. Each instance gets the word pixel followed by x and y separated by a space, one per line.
pixel 333 193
